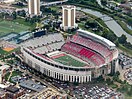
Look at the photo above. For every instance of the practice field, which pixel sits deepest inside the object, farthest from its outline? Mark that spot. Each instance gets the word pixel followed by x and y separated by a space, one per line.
pixel 8 49
pixel 8 27
pixel 2 51
pixel 67 60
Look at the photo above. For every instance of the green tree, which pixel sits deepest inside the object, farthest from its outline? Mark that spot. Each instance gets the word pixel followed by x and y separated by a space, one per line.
pixel 14 15
pixel 122 39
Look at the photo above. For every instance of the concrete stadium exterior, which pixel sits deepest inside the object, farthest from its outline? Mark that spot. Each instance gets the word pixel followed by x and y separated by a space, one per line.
pixel 63 72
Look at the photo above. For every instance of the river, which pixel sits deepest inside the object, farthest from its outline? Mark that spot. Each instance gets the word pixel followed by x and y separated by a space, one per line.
pixel 112 24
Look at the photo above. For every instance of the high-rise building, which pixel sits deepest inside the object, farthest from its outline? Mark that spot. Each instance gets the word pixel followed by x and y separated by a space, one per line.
pixel 68 17
pixel 34 7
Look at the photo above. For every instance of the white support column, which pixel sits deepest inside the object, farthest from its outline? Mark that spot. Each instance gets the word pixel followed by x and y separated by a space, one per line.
pixel 58 76
pixel 76 78
pixel 83 78
pixel 89 78
pixel 79 79
pixel 70 78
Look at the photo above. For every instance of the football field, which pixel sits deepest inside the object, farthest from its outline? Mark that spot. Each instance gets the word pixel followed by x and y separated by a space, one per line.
pixel 8 27
pixel 67 60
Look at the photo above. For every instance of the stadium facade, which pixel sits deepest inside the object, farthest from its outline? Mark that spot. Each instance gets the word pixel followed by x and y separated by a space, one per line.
pixel 97 53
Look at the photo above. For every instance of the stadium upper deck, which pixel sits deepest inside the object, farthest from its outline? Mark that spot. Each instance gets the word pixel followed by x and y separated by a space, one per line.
pixel 97 38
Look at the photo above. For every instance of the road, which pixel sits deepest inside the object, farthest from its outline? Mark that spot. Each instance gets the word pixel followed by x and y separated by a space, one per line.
pixel 53 3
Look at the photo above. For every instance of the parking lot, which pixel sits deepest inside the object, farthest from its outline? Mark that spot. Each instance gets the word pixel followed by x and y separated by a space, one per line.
pixel 125 61
pixel 87 91
pixel 128 75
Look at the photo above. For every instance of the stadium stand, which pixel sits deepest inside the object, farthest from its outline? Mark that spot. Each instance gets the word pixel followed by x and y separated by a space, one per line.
pixel 82 52
pixel 46 44
pixel 104 51
pixel 44 40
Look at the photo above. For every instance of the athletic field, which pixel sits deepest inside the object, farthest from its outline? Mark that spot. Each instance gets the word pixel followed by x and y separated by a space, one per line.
pixel 67 60
pixel 8 27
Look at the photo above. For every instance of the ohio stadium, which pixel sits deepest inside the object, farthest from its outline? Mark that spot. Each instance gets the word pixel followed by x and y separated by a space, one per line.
pixel 81 58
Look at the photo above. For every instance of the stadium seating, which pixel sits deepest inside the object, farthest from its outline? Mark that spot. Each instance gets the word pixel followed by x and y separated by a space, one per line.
pixel 49 48
pixel 45 44
pixel 104 51
pixel 44 40
pixel 83 53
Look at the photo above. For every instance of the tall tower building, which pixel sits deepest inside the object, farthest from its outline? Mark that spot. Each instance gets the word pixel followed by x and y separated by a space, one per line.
pixel 34 7
pixel 68 17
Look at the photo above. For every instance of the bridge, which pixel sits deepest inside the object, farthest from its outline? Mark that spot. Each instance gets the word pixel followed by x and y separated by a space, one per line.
pixel 53 3
pixel 105 18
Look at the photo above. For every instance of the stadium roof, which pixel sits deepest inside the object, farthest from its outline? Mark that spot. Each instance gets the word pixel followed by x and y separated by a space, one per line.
pixel 99 37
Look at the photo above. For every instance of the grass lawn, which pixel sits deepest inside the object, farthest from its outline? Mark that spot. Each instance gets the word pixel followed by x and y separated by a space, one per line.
pixel 113 86
pixel 14 73
pixel 125 50
pixel 7 27
pixel 127 96
pixel 55 8
pixel 4 52
pixel 67 60
pixel 124 26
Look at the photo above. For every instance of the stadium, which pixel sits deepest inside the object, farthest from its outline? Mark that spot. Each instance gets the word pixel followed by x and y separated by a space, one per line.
pixel 80 58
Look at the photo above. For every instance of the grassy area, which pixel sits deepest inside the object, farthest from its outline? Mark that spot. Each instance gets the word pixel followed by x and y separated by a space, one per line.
pixel 5 52
pixel 7 27
pixel 67 60
pixel 118 1
pixel 113 86
pixel 14 73
pixel 22 21
pixel 55 8
pixel 125 50
pixel 127 96
pixel 2 51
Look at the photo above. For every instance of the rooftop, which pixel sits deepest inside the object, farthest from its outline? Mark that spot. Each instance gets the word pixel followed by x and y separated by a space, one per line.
pixel 4 67
pixel 32 85
pixel 12 89
pixel 68 6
